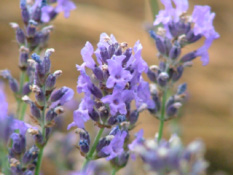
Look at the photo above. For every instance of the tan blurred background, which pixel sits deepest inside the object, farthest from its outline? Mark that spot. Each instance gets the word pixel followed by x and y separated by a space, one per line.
pixel 209 110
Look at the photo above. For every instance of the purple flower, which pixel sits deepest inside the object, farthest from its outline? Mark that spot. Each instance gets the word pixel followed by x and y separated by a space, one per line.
pixel 115 147
pixel 118 75
pixel 84 81
pixel 65 6
pixel 87 52
pixel 138 140
pixel 143 96
pixel 138 63
pixel 81 115
pixel 62 96
pixel 203 22
pixel 203 51
pixel 169 13
pixel 117 100
pixel 45 13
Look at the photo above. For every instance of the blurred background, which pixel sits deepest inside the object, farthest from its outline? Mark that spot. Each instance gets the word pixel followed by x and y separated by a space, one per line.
pixel 208 113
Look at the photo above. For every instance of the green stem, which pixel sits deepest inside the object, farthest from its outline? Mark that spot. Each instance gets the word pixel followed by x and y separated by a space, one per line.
pixel 21 106
pixel 23 111
pixel 40 156
pixel 39 161
pixel 154 7
pixel 163 108
pixel 89 156
pixel 114 171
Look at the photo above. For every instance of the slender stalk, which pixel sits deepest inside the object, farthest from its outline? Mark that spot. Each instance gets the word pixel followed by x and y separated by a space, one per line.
pixel 39 161
pixel 23 111
pixel 163 108
pixel 40 156
pixel 89 156
pixel 114 170
pixel 20 103
pixel 154 7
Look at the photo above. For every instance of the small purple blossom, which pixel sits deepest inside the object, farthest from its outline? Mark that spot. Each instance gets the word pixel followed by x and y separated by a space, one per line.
pixel 138 140
pixel 65 6
pixel 115 147
pixel 117 100
pixel 45 13
pixel 81 115
pixel 118 76
pixel 143 96
pixel 87 52
pixel 169 13
pixel 202 18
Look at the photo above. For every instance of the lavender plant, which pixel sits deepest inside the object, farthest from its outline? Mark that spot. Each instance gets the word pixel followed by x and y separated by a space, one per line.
pixel 116 80
pixel 37 78
pixel 33 37
pixel 115 93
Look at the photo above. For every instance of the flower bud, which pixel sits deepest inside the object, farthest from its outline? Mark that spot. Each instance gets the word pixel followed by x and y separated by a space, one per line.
pixel 20 37
pixel 188 57
pixel 159 43
pixel 58 94
pixel 18 143
pixel 168 45
pixel 25 13
pixel 36 15
pixel 163 79
pixel 127 54
pixel 175 52
pixel 151 75
pixel 111 50
pixel 30 155
pixel 50 115
pixel 104 113
pixel 178 73
pixel 84 146
pixel 98 73
pixel 94 115
pixel 105 141
pixel 95 91
pixel 181 89
pixel 23 58
pixel 133 118
pixel 26 89
pixel 172 109
pixel 35 111
pixel 51 80
pixel 46 60
pixel 191 38
pixel 116 119
pixel 31 29
pixel 118 51
pixel 14 85
pixel 104 54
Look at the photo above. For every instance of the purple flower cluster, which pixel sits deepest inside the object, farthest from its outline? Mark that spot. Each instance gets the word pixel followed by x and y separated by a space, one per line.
pixel 116 81
pixel 44 110
pixel 179 25
pixel 170 157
